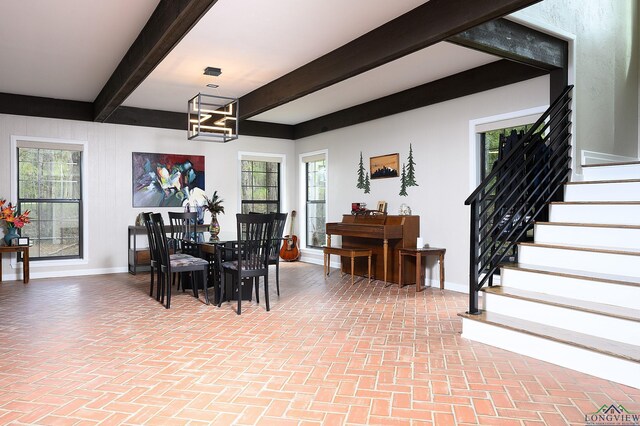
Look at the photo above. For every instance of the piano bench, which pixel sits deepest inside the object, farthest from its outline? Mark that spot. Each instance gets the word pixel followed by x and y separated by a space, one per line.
pixel 351 253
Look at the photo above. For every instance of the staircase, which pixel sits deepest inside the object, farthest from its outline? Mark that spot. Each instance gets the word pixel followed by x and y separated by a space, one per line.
pixel 574 297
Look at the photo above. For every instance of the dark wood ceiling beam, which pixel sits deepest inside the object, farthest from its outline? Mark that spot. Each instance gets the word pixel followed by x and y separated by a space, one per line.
pixel 424 26
pixel 517 42
pixel 485 77
pixel 168 24
pixel 36 106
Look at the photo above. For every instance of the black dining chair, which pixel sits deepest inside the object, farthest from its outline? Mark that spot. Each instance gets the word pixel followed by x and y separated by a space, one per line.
pixel 176 263
pixel 277 232
pixel 250 256
pixel 183 231
pixel 153 254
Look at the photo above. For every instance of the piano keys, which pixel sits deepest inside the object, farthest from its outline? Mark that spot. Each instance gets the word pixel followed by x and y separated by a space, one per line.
pixel 385 235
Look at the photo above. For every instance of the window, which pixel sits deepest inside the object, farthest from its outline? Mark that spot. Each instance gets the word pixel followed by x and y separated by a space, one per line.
pixel 490 146
pixel 260 186
pixel 316 184
pixel 50 185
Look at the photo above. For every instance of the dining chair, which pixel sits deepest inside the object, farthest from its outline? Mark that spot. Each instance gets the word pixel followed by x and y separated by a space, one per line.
pixel 277 232
pixel 251 256
pixel 181 263
pixel 183 230
pixel 153 254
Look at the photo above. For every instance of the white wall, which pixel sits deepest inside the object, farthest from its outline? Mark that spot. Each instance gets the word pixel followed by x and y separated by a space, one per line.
pixel 440 138
pixel 109 176
pixel 606 65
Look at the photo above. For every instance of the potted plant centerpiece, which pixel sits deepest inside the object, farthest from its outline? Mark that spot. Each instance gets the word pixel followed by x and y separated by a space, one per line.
pixel 13 220
pixel 215 207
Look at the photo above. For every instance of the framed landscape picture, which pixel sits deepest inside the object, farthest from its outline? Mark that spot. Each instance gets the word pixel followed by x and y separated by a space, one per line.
pixel 165 180
pixel 384 166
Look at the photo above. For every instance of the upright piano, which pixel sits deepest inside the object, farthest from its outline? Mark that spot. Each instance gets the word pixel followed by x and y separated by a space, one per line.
pixel 384 235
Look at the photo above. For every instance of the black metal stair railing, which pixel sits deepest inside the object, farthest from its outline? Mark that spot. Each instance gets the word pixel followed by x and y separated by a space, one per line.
pixel 517 192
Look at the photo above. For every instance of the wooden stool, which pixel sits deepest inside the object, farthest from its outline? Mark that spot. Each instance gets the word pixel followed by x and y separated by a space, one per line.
pixel 418 253
pixel 351 253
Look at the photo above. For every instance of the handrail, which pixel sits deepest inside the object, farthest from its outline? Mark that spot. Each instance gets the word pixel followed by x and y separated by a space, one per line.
pixel 516 193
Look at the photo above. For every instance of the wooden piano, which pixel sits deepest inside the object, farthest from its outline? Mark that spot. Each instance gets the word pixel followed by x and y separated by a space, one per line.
pixel 384 235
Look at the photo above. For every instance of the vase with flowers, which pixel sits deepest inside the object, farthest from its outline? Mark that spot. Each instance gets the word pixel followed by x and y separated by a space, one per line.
pixel 214 206
pixel 13 220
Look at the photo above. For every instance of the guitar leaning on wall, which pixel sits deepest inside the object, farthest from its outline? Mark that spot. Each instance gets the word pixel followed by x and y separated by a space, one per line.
pixel 290 250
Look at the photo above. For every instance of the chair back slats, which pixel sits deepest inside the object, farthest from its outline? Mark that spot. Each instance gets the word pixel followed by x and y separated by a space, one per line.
pixel 183 228
pixel 157 224
pixel 279 221
pixel 254 241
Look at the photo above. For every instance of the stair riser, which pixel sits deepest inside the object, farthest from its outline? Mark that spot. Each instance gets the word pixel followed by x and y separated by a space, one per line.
pixel 606 263
pixel 588 236
pixel 570 319
pixel 593 291
pixel 586 361
pixel 631 171
pixel 595 214
pixel 628 191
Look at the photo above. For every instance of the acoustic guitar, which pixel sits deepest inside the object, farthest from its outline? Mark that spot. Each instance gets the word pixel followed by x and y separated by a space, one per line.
pixel 290 251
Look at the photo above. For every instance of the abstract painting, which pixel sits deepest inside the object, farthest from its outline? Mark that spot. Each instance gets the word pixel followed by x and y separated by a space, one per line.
pixel 166 180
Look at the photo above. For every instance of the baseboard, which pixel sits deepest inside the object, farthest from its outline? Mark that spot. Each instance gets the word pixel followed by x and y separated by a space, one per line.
pixel 17 276
pixel 593 157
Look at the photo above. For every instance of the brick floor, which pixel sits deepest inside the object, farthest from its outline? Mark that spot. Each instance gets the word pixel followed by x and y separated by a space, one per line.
pixel 99 350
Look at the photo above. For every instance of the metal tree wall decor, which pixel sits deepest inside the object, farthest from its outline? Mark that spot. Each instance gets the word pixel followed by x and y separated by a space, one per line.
pixel 403 181
pixel 411 171
pixel 361 179
pixel 367 188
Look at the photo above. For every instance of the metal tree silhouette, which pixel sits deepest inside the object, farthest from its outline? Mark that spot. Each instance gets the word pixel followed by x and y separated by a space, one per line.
pixel 403 181
pixel 411 171
pixel 361 181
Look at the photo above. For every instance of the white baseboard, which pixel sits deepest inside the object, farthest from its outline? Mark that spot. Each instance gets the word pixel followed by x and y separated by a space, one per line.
pixel 592 157
pixel 17 276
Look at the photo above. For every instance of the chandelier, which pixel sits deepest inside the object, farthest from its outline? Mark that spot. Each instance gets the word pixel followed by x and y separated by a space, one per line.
pixel 213 118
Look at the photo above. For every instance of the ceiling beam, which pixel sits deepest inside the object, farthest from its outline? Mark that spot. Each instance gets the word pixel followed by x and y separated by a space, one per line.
pixel 517 42
pixel 424 26
pixel 485 77
pixel 168 24
pixel 37 106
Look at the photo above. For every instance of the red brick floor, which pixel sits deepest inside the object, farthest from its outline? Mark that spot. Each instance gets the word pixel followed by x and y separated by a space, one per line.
pixel 98 350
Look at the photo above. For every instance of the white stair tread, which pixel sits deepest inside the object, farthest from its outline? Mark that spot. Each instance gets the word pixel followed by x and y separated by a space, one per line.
pixel 625 163
pixel 597 203
pixel 599 249
pixel 598 182
pixel 589 225
pixel 565 302
pixel 584 341
pixel 575 273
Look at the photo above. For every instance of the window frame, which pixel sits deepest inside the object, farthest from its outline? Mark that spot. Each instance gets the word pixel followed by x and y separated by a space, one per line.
pixel 263 157
pixel 55 143
pixel 309 202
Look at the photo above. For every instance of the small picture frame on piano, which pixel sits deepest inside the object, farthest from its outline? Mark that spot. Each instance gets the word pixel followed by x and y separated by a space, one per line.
pixel 382 206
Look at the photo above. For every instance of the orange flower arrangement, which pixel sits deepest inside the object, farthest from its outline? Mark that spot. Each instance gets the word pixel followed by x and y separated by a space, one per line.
pixel 8 214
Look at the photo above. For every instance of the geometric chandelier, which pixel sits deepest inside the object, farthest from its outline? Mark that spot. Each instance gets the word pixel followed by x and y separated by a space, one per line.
pixel 213 118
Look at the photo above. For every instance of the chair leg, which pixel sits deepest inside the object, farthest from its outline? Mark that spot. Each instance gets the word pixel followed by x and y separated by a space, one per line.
pixel 239 295
pixel 205 286
pixel 278 277
pixel 168 287
pixel 152 271
pixel 352 270
pixel 222 285
pixel 266 290
pixel 256 285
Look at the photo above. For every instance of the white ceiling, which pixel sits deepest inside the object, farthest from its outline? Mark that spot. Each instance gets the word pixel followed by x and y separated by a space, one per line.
pixel 67 49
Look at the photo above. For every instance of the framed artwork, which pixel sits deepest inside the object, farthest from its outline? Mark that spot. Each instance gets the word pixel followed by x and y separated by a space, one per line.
pixel 165 180
pixel 384 166
pixel 382 206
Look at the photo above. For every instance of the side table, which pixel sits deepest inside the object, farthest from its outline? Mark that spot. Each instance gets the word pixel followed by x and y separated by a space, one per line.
pixel 25 259
pixel 418 253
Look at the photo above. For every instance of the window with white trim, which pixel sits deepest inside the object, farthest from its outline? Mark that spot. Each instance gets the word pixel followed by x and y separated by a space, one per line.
pixel 315 199
pixel 260 186
pixel 49 184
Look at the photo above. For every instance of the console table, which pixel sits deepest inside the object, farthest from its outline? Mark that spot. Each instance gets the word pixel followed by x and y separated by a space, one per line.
pixel 25 259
